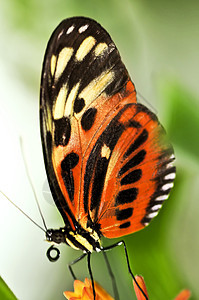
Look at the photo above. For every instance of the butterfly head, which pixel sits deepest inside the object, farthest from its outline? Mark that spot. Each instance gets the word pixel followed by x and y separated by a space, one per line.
pixel 56 235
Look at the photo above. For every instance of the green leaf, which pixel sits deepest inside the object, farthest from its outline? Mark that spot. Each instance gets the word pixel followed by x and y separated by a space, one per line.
pixel 5 292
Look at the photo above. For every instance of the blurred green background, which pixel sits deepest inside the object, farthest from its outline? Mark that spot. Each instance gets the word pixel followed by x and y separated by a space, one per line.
pixel 159 43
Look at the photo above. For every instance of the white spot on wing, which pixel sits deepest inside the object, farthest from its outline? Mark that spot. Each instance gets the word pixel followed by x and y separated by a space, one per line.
pixel 161 198
pixel 152 215
pixel 63 58
pixel 167 186
pixel 170 176
pixel 60 102
pixel 85 47
pixel 83 28
pixel 169 165
pixel 156 207
pixel 70 100
pixel 60 34
pixel 70 29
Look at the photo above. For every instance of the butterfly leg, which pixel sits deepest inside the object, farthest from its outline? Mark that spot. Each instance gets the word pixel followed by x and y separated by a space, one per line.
pixel 74 262
pixel 127 261
pixel 115 290
pixel 90 272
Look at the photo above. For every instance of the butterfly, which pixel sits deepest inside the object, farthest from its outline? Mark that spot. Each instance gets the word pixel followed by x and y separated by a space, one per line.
pixel 108 161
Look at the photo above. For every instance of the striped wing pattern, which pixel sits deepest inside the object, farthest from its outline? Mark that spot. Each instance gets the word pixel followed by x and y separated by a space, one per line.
pixel 108 162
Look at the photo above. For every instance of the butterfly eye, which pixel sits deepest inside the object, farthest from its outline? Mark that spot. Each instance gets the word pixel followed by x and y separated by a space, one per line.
pixel 53 253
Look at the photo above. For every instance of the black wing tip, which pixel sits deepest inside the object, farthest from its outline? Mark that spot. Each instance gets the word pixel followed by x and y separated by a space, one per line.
pixel 79 19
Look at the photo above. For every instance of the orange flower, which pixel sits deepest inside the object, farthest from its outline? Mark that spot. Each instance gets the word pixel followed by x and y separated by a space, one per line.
pixel 84 291
pixel 184 295
pixel 140 281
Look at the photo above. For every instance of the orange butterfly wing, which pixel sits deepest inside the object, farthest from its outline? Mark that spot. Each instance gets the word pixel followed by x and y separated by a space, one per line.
pixel 140 175
pixel 107 159
pixel 126 170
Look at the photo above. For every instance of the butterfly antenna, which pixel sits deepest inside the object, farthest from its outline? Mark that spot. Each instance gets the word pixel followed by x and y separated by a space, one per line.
pixel 31 184
pixel 148 103
pixel 22 211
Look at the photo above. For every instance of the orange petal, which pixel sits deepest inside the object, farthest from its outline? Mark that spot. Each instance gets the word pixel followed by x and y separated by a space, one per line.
pixel 88 294
pixel 69 295
pixel 78 287
pixel 184 295
pixel 84 291
pixel 101 294
pixel 139 294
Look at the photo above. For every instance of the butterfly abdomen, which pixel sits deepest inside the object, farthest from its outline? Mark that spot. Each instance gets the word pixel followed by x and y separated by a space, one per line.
pixel 80 239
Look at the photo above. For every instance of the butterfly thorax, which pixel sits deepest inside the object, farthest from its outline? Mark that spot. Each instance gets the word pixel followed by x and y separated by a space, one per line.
pixel 85 240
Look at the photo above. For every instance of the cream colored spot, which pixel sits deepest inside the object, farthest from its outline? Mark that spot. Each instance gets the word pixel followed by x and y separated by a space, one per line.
pixel 162 198
pixel 63 58
pixel 83 28
pixel 60 34
pixel 105 151
pixel 172 156
pixel 96 87
pixel 80 239
pixel 152 215
pixel 70 29
pixel 70 100
pixel 85 48
pixel 169 165
pixel 48 119
pixel 60 102
pixel 156 207
pixel 100 48
pixel 170 176
pixel 93 234
pixel 71 244
pixel 167 186
pixel 53 64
